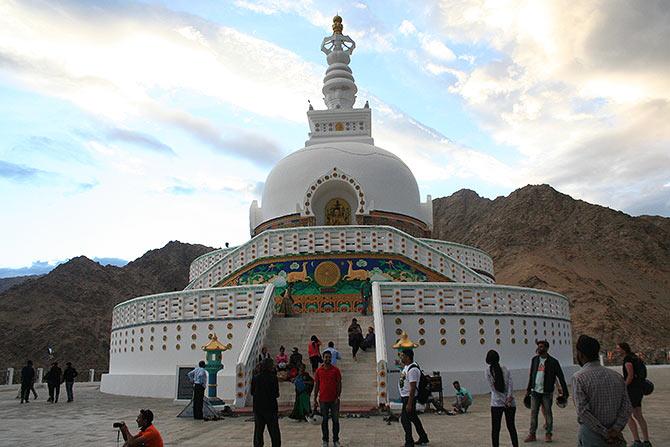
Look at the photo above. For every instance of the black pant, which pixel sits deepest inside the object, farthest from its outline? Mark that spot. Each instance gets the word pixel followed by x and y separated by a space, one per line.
pixel 496 419
pixel 198 400
pixel 54 391
pixel 407 419
pixel 25 391
pixel 69 388
pixel 330 410
pixel 271 420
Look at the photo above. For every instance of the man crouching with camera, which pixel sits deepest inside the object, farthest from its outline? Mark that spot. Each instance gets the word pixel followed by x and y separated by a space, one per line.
pixel 148 435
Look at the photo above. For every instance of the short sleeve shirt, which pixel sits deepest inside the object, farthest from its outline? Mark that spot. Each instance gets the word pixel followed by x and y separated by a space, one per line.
pixel 410 373
pixel 151 437
pixel 328 379
pixel 539 377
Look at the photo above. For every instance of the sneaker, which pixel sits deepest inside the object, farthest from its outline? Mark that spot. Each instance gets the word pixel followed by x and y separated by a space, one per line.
pixel 547 438
pixel 423 441
pixel 637 444
pixel 646 444
pixel 325 444
pixel 530 438
pixel 336 443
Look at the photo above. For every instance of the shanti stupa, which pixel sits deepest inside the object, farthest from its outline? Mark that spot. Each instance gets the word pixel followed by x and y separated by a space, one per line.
pixel 332 214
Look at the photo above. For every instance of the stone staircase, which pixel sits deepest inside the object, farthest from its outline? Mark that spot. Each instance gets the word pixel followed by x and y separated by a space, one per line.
pixel 359 387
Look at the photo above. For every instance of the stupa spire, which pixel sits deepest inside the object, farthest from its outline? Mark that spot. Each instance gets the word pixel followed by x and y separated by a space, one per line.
pixel 339 89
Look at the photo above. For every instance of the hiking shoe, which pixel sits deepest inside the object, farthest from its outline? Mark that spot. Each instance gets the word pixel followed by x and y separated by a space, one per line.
pixel 547 438
pixel 530 438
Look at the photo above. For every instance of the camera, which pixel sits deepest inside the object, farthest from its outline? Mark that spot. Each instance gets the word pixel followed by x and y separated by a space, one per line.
pixel 118 424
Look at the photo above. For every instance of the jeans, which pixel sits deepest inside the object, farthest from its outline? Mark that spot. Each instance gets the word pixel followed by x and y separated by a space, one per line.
pixel 70 392
pixel 330 410
pixel 588 438
pixel 54 392
pixel 407 419
pixel 537 399
pixel 271 420
pixel 496 419
pixel 198 398
pixel 25 392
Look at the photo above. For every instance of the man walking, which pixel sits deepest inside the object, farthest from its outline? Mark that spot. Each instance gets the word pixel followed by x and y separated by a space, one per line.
pixel 327 390
pixel 54 378
pixel 334 353
pixel 198 377
pixel 366 294
pixel 603 406
pixel 409 387
pixel 27 380
pixel 265 390
pixel 544 370
pixel 68 376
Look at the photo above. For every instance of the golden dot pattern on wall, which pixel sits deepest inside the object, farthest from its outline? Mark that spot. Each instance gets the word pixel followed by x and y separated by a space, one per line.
pixel 422 321
pixel 194 327
pixel 398 321
pixel 230 325
pixel 443 331
pixel 422 331
pixel 398 331
pixel 462 321
pixel 443 341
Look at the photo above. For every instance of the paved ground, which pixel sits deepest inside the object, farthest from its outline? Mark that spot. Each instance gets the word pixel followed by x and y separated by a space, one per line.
pixel 89 420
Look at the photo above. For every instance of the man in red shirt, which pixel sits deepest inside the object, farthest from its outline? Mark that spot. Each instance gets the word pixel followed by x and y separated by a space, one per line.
pixel 327 390
pixel 148 435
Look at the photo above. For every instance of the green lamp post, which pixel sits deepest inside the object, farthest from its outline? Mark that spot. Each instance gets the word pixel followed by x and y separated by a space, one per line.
pixel 400 345
pixel 213 352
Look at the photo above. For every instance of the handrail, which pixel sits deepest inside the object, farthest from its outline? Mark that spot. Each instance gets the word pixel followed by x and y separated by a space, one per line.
pixel 220 302
pixel 335 239
pixel 252 346
pixel 481 261
pixel 453 298
pixel 205 261
pixel 381 359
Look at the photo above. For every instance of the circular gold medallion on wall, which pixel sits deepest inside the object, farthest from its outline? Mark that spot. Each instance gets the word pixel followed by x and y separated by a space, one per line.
pixel 327 274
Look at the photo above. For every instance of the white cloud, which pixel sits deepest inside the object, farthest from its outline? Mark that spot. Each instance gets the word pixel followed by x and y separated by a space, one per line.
pixel 406 27
pixel 579 89
pixel 436 48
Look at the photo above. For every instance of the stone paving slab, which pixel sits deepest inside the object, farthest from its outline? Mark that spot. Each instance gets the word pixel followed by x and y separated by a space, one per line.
pixel 89 420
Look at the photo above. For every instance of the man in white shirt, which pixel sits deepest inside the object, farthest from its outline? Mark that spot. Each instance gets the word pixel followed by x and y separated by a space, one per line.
pixel 334 352
pixel 199 379
pixel 408 386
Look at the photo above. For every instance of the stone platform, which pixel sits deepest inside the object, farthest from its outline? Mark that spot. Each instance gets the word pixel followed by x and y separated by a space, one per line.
pixel 89 420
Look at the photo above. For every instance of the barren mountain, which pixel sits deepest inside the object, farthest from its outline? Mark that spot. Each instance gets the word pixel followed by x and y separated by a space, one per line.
pixel 70 308
pixel 8 283
pixel 614 268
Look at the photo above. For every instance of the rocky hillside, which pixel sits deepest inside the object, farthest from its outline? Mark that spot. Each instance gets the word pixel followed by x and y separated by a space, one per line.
pixel 8 283
pixel 614 268
pixel 70 308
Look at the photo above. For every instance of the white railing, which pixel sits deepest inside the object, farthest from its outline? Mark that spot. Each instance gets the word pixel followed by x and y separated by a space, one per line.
pixel 336 239
pixel 381 359
pixel 246 362
pixel 473 257
pixel 226 302
pixel 449 298
pixel 203 262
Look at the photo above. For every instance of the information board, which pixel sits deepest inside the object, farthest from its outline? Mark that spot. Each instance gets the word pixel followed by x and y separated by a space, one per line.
pixel 184 386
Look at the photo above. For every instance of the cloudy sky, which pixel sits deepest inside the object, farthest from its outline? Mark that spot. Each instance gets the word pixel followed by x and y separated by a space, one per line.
pixel 128 124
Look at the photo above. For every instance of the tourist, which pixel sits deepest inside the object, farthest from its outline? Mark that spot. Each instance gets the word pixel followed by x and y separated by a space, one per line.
pixel 463 398
pixel 54 379
pixel 286 304
pixel 264 354
pixel 502 399
pixel 602 403
pixel 27 381
pixel 265 390
pixel 334 353
pixel 409 387
pixel 355 334
pixel 198 377
pixel 366 294
pixel 634 374
pixel 281 359
pixel 327 391
pixel 369 340
pixel 68 377
pixel 304 384
pixel 294 363
pixel 314 352
pixel 149 436
pixel 544 370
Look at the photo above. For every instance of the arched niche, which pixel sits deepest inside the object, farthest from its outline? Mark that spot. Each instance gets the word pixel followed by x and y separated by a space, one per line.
pixel 334 192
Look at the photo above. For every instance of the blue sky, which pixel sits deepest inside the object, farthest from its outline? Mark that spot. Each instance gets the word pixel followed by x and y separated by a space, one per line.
pixel 129 124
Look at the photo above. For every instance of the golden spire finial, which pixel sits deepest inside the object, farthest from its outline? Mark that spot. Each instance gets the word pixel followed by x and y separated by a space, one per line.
pixel 404 342
pixel 337 25
pixel 215 345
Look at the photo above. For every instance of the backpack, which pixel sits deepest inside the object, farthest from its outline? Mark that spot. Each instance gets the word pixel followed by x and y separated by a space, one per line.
pixel 422 389
pixel 639 369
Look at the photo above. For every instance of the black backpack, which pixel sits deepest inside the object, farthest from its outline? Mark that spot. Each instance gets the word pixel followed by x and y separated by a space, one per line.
pixel 639 369
pixel 422 389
